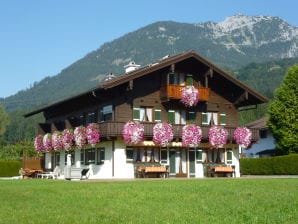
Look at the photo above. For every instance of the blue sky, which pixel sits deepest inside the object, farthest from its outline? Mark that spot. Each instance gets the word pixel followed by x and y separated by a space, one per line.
pixel 40 38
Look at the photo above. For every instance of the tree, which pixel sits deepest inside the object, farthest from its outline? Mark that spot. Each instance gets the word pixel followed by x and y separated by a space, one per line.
pixel 283 111
pixel 4 120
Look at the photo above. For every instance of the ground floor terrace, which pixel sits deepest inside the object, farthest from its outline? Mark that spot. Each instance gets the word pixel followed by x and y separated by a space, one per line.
pixel 115 159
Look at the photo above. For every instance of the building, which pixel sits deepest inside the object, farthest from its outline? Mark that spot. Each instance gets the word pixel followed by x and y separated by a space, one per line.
pixel 148 95
pixel 265 146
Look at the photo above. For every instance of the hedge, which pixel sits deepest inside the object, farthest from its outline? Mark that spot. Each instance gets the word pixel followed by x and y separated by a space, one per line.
pixel 10 168
pixel 278 165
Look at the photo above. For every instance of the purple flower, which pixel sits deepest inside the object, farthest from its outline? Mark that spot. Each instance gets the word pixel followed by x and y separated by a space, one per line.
pixel 38 143
pixel 162 134
pixel 133 132
pixel 80 136
pixel 191 135
pixel 218 136
pixel 67 139
pixel 190 96
pixel 93 134
pixel 243 136
pixel 47 142
pixel 57 142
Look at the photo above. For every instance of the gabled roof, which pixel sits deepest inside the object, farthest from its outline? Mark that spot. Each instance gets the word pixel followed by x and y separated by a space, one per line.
pixel 259 124
pixel 155 67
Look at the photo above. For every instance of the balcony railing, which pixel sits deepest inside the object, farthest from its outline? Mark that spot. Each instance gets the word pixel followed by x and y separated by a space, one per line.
pixel 175 92
pixel 114 129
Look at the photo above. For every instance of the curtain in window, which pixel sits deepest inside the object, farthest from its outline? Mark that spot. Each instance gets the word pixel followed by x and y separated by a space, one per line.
pixel 142 114
pixel 156 155
pixel 215 118
pixel 209 115
pixel 177 117
pixel 149 114
pixel 183 117
pixel 181 79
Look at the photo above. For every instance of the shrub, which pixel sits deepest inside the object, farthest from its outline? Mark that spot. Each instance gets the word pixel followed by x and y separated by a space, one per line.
pixel 9 168
pixel 278 165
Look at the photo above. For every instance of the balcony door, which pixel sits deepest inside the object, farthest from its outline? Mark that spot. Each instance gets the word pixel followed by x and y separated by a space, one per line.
pixel 177 162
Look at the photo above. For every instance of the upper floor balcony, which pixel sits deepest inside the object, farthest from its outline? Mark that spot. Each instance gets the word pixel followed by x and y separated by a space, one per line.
pixel 172 91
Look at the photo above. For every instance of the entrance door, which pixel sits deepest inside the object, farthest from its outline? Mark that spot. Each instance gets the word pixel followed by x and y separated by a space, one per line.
pixel 178 162
pixel 192 164
pixel 172 162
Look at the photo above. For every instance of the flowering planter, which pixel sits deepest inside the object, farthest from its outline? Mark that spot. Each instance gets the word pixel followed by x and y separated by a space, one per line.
pixel 47 142
pixel 190 96
pixel 67 139
pixel 243 137
pixel 191 135
pixel 57 142
pixel 93 134
pixel 162 134
pixel 133 132
pixel 38 143
pixel 218 136
pixel 80 136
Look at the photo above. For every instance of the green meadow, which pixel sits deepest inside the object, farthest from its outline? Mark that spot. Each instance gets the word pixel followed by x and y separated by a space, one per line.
pixel 150 201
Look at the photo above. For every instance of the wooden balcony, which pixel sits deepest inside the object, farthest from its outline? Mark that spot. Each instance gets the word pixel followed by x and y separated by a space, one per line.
pixel 175 92
pixel 114 129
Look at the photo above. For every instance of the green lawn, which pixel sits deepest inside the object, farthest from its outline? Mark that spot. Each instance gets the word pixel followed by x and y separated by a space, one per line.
pixel 150 201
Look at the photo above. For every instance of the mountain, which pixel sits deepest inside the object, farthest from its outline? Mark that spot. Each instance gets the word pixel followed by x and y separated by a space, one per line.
pixel 232 43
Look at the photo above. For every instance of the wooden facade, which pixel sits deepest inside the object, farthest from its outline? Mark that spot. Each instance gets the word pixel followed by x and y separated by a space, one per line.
pixel 155 90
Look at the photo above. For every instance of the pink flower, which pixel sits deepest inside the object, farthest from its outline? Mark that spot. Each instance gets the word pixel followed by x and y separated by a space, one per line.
pixel 93 134
pixel 133 132
pixel 190 96
pixel 47 142
pixel 38 143
pixel 67 139
pixel 57 142
pixel 162 134
pixel 191 135
pixel 80 136
pixel 243 136
pixel 218 136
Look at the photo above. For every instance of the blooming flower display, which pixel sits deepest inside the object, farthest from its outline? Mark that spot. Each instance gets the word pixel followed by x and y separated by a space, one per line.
pixel 162 134
pixel 47 142
pixel 191 135
pixel 80 136
pixel 190 96
pixel 218 136
pixel 38 143
pixel 67 139
pixel 243 136
pixel 57 143
pixel 133 132
pixel 93 134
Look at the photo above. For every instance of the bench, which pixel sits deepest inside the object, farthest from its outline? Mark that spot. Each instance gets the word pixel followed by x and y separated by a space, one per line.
pixel 152 171
pixel 225 170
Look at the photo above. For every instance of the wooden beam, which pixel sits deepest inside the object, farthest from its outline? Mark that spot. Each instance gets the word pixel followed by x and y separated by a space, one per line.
pixel 241 98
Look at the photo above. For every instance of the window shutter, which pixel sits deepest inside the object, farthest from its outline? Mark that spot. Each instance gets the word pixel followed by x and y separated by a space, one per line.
pixel 136 114
pixel 171 116
pixel 222 119
pixel 192 117
pixel 229 156
pixel 157 115
pixel 205 118
pixel 199 155
pixel 189 80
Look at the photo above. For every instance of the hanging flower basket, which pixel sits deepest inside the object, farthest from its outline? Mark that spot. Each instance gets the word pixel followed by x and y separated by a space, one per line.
pixel 38 143
pixel 162 134
pixel 67 139
pixel 191 135
pixel 243 137
pixel 57 140
pixel 80 136
pixel 218 136
pixel 93 134
pixel 133 132
pixel 47 142
pixel 190 96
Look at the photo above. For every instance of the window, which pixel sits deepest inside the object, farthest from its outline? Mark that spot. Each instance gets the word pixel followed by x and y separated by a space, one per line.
pixel 72 153
pixel 177 117
pixel 106 114
pixel 157 115
pixel 177 79
pixel 82 157
pixel 189 80
pixel 100 156
pixel 146 114
pixel 129 154
pixel 57 158
pixel 192 117
pixel 89 156
pixel 91 118
pixel 222 119
pixel 199 155
pixel 229 156
pixel 164 155
pixel 263 133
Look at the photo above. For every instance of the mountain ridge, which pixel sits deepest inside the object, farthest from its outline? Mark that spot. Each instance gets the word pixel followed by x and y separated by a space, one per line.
pixel 232 43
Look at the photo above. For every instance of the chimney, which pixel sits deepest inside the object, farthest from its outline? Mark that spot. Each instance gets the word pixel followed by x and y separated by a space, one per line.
pixel 131 67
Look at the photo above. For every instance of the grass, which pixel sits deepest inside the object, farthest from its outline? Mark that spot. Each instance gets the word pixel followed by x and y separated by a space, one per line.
pixel 150 201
